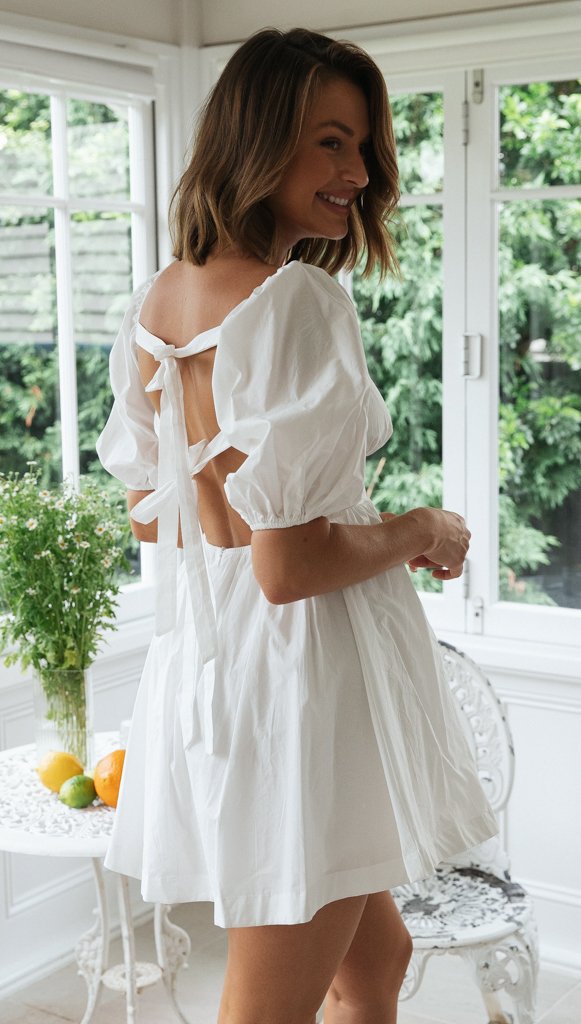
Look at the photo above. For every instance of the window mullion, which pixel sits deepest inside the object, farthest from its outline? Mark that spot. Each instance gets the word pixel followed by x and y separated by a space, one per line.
pixel 64 293
pixel 142 191
pixel 143 241
pixel 454 311
pixel 482 393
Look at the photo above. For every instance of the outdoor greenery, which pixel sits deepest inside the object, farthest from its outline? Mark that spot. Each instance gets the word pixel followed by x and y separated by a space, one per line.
pixel 540 331
pixel 29 383
pixel 540 315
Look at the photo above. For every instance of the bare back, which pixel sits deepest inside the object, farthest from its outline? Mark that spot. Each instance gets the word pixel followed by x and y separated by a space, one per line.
pixel 184 301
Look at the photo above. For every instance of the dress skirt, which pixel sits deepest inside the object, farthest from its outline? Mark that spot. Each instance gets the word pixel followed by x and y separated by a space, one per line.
pixel 320 755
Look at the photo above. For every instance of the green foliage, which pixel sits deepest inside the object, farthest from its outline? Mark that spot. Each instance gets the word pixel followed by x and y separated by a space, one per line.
pixel 540 133
pixel 59 555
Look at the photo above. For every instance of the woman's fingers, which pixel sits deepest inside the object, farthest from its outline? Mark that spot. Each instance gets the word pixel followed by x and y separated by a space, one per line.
pixel 448 574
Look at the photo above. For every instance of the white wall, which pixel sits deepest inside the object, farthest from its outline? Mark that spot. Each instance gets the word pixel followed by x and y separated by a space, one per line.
pixel 218 21
pixel 159 21
pixel 225 21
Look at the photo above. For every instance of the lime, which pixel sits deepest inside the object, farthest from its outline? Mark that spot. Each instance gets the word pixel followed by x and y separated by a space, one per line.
pixel 56 767
pixel 78 791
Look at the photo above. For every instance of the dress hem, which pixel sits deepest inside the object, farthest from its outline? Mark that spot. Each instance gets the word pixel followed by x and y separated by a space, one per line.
pixel 296 906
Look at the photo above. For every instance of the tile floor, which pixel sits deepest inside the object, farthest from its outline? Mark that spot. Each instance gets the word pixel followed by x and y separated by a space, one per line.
pixel 447 994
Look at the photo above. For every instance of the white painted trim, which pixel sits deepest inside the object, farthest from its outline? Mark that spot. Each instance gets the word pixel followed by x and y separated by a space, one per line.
pixel 18 980
pixel 45 891
pixel 520 659
pixel 69 430
pixel 555 893
pixel 459 30
pixel 111 46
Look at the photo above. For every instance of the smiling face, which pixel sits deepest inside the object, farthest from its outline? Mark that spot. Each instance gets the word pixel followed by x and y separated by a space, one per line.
pixel 327 171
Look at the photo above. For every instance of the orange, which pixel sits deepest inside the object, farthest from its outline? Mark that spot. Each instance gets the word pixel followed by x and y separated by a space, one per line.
pixel 107 777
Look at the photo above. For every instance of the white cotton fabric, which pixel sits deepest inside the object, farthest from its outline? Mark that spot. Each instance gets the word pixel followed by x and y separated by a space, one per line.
pixel 320 754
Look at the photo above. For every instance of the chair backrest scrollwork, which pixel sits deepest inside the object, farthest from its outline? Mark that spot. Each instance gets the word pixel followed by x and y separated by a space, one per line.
pixel 485 723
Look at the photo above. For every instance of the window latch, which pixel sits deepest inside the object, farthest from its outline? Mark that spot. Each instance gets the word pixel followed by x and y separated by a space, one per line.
pixel 466 352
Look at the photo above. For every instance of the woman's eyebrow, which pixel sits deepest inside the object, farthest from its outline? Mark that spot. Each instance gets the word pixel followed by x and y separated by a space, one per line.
pixel 337 124
pixel 342 127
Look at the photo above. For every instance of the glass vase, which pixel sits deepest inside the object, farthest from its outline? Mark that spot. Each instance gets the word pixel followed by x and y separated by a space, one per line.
pixel 63 713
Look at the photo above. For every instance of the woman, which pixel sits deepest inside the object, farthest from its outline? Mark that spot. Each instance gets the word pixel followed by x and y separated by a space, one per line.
pixel 295 750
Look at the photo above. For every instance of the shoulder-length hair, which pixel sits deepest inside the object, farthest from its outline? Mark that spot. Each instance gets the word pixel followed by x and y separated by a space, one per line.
pixel 248 132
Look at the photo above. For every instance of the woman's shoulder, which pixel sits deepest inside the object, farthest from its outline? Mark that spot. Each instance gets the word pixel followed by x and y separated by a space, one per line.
pixel 295 289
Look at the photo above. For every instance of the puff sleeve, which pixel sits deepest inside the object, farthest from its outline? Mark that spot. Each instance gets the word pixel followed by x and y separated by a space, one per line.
pixel 128 445
pixel 291 390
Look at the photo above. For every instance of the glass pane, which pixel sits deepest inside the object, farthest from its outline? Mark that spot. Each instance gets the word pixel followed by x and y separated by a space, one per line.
pixel 101 250
pixel 540 134
pixel 540 402
pixel 102 285
pixel 29 396
pixel 98 150
pixel 25 157
pixel 401 324
pixel 418 123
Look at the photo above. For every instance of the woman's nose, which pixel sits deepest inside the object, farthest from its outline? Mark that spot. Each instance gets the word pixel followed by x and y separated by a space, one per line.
pixel 355 171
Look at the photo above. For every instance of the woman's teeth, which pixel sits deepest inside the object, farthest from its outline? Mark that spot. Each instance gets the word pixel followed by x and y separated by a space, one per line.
pixel 333 199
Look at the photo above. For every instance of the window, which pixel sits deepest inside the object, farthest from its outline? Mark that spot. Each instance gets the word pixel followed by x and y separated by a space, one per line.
pixel 477 349
pixel 524 192
pixel 75 235
pixel 401 320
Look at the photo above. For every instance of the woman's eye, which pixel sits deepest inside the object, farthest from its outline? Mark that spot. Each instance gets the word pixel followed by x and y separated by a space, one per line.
pixel 331 143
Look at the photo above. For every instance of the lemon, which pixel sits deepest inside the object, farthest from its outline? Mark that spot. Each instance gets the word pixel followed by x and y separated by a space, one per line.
pixel 78 791
pixel 56 767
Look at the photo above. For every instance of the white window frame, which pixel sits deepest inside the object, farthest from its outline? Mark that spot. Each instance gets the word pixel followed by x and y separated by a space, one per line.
pixel 517 636
pixel 486 614
pixel 147 78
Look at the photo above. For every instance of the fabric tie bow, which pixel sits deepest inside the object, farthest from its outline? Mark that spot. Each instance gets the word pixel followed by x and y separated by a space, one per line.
pixel 176 502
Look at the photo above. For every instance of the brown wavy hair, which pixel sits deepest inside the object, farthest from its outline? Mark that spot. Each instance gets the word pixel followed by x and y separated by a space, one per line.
pixel 247 134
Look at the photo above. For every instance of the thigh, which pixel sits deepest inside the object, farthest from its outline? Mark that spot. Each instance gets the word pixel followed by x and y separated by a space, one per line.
pixel 375 963
pixel 279 974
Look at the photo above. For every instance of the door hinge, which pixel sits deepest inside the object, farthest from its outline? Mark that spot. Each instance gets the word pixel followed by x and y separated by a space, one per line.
pixel 465 369
pixel 478 86
pixel 465 122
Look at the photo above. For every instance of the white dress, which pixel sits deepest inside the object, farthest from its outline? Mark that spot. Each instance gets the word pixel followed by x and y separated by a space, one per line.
pixel 280 756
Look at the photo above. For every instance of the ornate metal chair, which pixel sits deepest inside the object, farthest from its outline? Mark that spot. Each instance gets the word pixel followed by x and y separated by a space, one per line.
pixel 471 907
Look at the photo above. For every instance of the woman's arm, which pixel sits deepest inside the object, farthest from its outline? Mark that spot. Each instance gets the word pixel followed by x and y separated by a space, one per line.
pixel 145 531
pixel 141 531
pixel 321 556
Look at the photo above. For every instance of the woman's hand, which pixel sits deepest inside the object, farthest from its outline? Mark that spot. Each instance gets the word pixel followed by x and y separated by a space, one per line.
pixel 439 569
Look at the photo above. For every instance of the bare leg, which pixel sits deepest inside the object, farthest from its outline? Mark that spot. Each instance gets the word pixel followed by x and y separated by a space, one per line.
pixel 279 974
pixel 366 986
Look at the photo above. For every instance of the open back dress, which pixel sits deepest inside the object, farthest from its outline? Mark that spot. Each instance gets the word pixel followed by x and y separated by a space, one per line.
pixel 283 756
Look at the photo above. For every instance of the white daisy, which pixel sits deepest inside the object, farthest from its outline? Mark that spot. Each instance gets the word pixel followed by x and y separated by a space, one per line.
pixel 31 524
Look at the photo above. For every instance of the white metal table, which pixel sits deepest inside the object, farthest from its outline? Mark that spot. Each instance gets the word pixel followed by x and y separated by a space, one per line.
pixel 34 821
